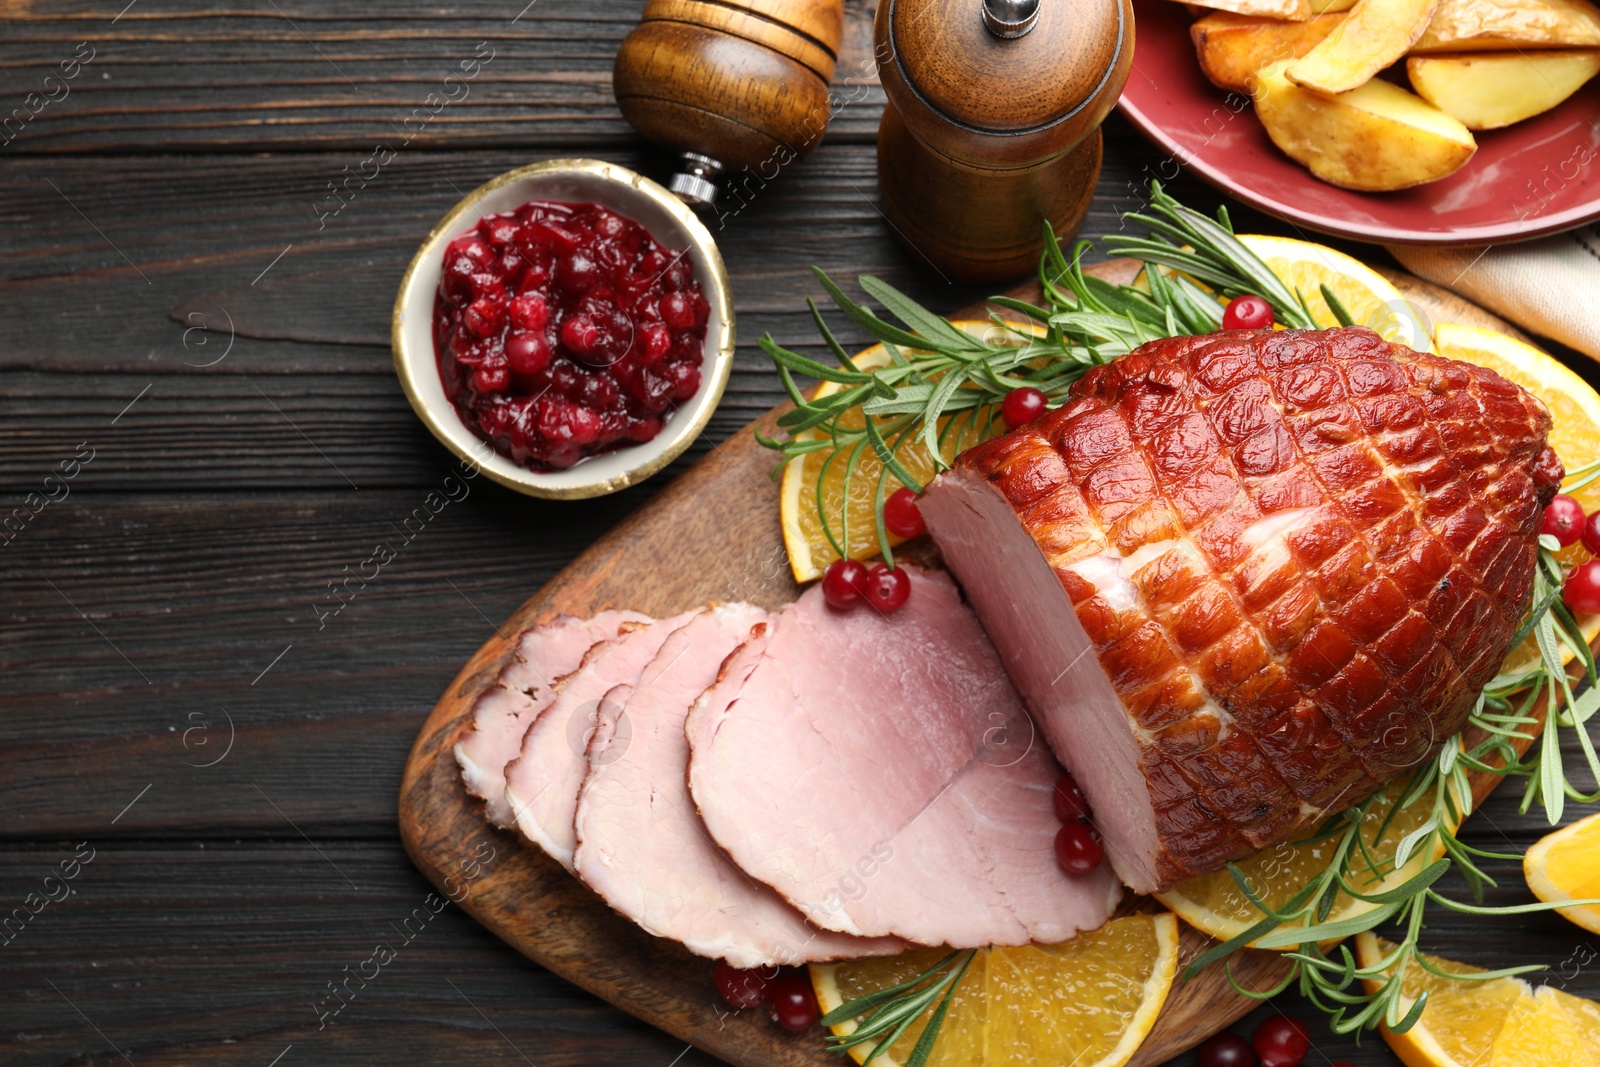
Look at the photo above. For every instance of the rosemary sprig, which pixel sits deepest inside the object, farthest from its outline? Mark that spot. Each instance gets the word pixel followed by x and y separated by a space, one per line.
pixel 937 372
pixel 889 1013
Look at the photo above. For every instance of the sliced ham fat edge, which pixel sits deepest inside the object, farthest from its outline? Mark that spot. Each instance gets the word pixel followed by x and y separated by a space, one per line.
pixel 643 847
pixel 542 783
pixel 543 657
pixel 1052 661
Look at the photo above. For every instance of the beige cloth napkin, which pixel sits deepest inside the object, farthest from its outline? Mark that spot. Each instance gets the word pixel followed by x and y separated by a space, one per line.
pixel 1549 287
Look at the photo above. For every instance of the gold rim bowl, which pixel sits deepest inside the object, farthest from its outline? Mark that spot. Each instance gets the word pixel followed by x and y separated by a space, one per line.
pixel 627 193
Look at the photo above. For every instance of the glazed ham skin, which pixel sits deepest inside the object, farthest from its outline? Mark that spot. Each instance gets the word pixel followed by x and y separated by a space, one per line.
pixel 641 843
pixel 1296 557
pixel 881 773
pixel 544 655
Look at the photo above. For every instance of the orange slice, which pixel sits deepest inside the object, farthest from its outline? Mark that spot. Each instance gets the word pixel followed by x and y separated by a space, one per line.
pixel 1088 1002
pixel 1565 865
pixel 1502 1022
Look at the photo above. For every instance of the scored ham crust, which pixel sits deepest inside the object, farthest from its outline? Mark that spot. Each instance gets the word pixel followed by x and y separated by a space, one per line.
pixel 1296 557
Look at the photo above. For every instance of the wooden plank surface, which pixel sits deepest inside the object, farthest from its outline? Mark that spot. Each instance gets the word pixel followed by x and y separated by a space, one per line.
pixel 194 548
pixel 293 74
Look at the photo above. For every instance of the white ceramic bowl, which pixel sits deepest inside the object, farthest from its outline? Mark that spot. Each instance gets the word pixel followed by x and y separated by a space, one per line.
pixel 627 193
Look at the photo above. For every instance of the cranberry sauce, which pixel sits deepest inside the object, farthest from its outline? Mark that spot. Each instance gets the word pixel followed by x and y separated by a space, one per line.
pixel 563 330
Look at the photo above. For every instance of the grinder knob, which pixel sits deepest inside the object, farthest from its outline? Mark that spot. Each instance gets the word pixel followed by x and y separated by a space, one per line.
pixel 992 124
pixel 729 84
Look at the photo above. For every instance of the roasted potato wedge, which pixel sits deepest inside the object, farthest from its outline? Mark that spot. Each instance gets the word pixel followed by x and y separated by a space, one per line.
pixel 1290 10
pixel 1486 92
pixel 1233 47
pixel 1494 25
pixel 1372 36
pixel 1374 138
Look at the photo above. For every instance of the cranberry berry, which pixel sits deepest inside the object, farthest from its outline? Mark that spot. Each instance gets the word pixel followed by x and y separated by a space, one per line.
pixel 580 335
pixel 677 311
pixel 743 989
pixel 901 514
pixel 1070 803
pixel 1281 1042
pixel 888 590
pixel 1022 406
pixel 844 583
pixel 1226 1049
pixel 491 378
pixel 1581 591
pixel 578 273
pixel 1078 849
pixel 1591 533
pixel 685 380
pixel 794 1002
pixel 471 248
pixel 530 312
pixel 527 353
pixel 484 317
pixel 1247 313
pixel 657 342
pixel 1564 519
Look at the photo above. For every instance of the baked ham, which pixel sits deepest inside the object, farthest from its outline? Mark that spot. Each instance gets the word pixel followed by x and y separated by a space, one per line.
pixel 542 783
pixel 1296 557
pixel 641 844
pixel 503 713
pixel 880 772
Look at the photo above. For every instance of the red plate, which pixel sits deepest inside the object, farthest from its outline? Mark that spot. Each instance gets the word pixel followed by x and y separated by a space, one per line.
pixel 1527 180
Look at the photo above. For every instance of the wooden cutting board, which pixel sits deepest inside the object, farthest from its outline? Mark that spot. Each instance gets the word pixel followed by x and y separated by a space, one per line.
pixel 712 534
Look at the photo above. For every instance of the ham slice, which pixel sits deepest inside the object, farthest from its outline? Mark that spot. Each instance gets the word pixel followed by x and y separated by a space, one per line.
pixel 544 655
pixel 542 783
pixel 881 774
pixel 643 847
pixel 1244 579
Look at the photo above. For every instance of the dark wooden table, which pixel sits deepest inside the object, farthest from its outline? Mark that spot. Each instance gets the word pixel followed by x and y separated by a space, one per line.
pixel 187 302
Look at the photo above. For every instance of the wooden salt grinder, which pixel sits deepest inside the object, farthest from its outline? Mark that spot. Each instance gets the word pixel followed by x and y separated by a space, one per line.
pixel 993 123
pixel 732 85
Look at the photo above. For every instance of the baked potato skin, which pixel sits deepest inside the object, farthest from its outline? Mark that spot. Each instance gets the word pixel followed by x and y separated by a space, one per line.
pixel 1505 25
pixel 1492 90
pixel 1376 138
pixel 1374 35
pixel 1232 48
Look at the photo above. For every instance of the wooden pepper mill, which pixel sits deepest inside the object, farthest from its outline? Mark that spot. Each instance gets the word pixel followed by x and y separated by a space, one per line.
pixel 733 85
pixel 993 123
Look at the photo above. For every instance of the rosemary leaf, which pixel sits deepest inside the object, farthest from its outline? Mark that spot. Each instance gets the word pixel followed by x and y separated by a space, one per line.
pixel 862 316
pixel 794 361
pixel 861 1005
pixel 953 380
pixel 930 1033
pixel 1344 317
pixel 933 329
pixel 1033 311
pixel 1332 931
pixel 890 460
